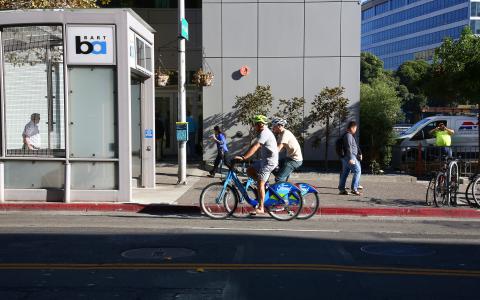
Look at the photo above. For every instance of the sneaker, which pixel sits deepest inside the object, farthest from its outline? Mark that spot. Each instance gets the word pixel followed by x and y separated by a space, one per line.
pixel 344 192
pixel 359 188
pixel 356 193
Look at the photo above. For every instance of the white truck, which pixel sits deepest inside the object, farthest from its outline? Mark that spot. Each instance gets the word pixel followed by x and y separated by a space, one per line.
pixel 465 138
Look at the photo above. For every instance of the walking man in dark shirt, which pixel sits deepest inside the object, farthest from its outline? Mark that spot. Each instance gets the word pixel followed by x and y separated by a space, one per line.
pixel 350 161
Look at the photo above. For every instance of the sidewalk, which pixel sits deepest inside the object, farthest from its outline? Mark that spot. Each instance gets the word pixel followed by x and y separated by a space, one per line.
pixel 385 195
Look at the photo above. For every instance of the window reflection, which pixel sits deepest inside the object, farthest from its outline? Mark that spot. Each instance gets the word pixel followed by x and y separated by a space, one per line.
pixel 33 68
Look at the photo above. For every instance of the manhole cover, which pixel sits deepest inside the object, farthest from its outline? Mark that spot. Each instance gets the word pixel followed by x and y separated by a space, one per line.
pixel 158 253
pixel 397 250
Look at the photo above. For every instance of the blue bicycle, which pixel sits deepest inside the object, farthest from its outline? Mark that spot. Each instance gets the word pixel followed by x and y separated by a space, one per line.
pixel 311 200
pixel 219 200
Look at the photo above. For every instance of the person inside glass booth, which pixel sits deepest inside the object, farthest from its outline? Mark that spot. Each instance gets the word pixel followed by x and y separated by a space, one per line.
pixel 31 133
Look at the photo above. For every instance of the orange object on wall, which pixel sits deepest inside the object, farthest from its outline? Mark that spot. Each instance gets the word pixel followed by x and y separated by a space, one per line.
pixel 245 70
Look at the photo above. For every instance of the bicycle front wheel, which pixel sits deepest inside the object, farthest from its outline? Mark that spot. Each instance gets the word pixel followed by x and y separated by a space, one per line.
pixel 453 180
pixel 469 192
pixel 287 208
pixel 217 202
pixel 440 195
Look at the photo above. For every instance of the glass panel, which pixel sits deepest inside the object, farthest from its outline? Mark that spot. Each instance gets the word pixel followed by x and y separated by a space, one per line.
pixel 140 53
pixel 34 96
pixel 94 176
pixel 148 57
pixel 92 112
pixel 34 174
pixel 136 130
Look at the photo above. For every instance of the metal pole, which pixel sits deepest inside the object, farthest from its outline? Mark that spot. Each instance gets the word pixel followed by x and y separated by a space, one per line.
pixel 182 145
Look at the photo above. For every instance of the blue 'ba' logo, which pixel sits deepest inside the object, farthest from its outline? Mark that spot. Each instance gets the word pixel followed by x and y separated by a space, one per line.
pixel 91 45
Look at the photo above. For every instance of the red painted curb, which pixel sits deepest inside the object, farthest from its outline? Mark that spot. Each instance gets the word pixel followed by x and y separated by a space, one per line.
pixel 402 212
pixel 162 208
pixel 105 207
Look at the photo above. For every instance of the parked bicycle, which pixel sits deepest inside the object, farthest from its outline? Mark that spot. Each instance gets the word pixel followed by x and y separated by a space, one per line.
pixel 219 200
pixel 472 193
pixel 443 187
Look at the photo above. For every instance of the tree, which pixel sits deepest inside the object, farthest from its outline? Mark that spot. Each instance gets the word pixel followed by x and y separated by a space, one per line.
pixel 327 106
pixel 379 111
pixel 371 67
pixel 455 77
pixel 257 103
pixel 413 76
pixel 26 4
pixel 292 111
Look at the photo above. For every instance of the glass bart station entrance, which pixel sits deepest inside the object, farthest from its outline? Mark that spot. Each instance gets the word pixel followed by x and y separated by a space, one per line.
pixel 77 105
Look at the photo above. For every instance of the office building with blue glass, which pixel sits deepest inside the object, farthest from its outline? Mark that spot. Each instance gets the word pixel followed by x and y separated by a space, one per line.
pixel 402 30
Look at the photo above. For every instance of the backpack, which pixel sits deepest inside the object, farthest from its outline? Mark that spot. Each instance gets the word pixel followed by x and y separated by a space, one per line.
pixel 339 146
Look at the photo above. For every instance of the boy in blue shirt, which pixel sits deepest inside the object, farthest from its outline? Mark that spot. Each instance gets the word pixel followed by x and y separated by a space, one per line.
pixel 221 141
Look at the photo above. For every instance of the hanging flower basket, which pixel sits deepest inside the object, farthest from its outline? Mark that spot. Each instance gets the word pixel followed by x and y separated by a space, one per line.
pixel 202 78
pixel 161 79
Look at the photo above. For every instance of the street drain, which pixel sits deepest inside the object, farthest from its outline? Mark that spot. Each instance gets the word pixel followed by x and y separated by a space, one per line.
pixel 158 253
pixel 397 250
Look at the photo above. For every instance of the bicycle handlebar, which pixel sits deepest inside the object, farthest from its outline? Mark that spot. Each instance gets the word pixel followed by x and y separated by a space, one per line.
pixel 231 164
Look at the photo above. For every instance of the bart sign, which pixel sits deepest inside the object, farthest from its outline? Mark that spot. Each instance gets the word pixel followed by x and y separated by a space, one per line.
pixel 90 45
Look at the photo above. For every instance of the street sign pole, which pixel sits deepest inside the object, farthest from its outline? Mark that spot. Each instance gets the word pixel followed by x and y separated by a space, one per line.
pixel 182 145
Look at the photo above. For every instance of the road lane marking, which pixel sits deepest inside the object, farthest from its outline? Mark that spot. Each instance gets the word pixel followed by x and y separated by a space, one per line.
pixel 257 267
pixel 261 229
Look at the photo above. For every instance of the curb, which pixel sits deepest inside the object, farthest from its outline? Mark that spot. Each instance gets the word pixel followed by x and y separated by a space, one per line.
pixel 192 209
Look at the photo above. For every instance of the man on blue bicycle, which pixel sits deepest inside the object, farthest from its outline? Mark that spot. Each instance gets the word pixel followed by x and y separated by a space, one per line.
pixel 288 141
pixel 261 169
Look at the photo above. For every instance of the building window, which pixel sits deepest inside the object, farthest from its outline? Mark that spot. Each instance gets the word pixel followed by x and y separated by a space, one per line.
pixel 144 55
pixel 382 8
pixel 397 3
pixel 475 25
pixel 34 95
pixel 368 13
pixel 475 11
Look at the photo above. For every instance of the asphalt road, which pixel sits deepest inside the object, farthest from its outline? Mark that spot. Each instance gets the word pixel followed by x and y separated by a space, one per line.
pixel 134 256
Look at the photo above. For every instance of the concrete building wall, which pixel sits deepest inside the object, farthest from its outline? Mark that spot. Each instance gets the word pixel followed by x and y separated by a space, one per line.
pixel 296 47
pixel 164 21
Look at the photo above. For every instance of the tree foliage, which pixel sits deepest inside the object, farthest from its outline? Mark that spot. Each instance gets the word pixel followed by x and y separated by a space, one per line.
pixel 455 71
pixel 258 102
pixel 292 111
pixel 326 107
pixel 371 67
pixel 31 4
pixel 413 77
pixel 379 111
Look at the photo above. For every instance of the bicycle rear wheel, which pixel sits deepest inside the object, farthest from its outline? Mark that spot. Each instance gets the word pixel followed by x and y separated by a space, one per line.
pixel 218 203
pixel 287 208
pixel 311 202
pixel 440 195
pixel 430 192
pixel 476 192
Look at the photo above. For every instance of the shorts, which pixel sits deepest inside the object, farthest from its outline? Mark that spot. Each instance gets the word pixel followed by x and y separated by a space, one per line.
pixel 263 169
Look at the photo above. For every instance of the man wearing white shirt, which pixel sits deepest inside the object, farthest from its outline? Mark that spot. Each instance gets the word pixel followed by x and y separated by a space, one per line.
pixel 31 134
